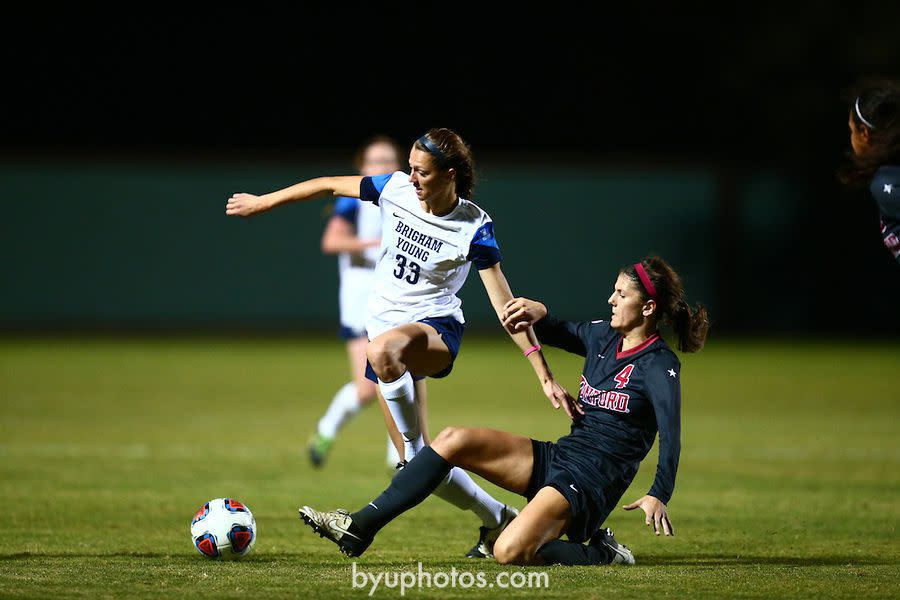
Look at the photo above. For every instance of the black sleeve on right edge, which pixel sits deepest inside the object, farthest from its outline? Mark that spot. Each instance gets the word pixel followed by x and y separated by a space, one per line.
pixel 560 334
pixel 885 189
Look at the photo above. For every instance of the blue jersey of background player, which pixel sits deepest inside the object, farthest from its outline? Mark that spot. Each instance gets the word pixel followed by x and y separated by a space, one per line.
pixel 354 233
pixel 875 157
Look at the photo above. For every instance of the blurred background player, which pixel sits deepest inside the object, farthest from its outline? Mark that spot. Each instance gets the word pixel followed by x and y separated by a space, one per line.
pixel 431 235
pixel 354 233
pixel 875 152
pixel 630 390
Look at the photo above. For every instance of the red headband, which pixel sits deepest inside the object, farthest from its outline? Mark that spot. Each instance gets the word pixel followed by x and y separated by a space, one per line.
pixel 645 279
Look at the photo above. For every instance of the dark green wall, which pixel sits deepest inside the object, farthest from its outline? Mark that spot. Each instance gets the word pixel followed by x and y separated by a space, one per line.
pixel 148 245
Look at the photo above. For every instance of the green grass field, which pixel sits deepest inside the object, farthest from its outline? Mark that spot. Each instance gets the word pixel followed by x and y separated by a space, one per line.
pixel 789 483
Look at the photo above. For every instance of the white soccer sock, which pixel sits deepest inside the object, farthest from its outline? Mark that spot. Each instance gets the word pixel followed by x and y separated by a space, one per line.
pixel 392 457
pixel 343 407
pixel 457 488
pixel 462 492
pixel 400 396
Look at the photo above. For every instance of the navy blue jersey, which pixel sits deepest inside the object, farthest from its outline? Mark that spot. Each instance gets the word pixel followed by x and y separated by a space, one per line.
pixel 627 398
pixel 885 188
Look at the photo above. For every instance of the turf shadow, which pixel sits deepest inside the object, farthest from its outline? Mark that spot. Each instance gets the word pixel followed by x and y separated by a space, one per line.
pixel 31 555
pixel 713 560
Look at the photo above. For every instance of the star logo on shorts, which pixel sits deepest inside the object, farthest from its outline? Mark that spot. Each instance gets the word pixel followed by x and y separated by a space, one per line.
pixel 671 372
pixel 889 187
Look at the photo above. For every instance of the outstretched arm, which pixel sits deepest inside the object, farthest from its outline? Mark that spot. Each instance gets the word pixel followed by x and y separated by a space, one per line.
pixel 245 205
pixel 519 313
pixel 500 294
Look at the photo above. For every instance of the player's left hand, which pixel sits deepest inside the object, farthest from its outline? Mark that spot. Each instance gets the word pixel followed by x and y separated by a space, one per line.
pixel 559 396
pixel 655 514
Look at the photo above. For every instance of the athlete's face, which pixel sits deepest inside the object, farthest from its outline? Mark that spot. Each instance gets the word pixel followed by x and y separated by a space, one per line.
pixel 378 159
pixel 628 309
pixel 425 176
pixel 859 137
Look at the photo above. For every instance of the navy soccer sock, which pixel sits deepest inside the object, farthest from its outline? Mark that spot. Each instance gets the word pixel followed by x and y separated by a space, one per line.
pixel 558 552
pixel 412 484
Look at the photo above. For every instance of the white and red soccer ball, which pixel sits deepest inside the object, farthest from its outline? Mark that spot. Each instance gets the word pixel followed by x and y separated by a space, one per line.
pixel 223 528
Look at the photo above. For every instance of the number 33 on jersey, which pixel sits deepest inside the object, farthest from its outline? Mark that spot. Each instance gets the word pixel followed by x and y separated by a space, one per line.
pixel 424 259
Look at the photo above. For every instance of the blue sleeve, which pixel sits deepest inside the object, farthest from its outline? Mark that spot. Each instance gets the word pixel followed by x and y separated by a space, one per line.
pixel 371 187
pixel 346 208
pixel 664 390
pixel 483 249
pixel 566 335
pixel 885 188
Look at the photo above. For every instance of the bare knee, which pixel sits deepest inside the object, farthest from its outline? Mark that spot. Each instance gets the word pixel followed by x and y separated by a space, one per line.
pixel 450 442
pixel 508 551
pixel 385 355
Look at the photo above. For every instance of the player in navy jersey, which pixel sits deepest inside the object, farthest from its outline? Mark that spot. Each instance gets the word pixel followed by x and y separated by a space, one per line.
pixel 875 153
pixel 630 391
pixel 354 233
pixel 432 233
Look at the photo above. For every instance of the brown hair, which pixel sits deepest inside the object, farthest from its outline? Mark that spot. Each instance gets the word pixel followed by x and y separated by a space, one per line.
pixel 360 154
pixel 456 155
pixel 691 324
pixel 879 103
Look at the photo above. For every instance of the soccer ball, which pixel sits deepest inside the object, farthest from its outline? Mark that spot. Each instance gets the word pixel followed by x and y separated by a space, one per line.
pixel 223 528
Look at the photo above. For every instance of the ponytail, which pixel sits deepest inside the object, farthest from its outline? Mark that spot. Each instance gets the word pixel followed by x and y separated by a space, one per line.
pixel 691 324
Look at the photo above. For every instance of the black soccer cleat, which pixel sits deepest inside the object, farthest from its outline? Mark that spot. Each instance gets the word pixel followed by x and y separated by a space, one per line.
pixel 620 554
pixel 486 537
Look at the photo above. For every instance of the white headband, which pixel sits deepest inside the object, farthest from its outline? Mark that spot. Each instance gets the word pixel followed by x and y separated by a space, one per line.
pixel 862 118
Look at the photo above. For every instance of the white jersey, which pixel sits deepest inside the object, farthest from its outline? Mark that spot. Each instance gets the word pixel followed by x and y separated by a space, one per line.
pixel 424 259
pixel 357 271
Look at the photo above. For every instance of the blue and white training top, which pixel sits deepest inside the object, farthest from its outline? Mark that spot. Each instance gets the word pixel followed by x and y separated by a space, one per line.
pixel 424 259
pixel 357 271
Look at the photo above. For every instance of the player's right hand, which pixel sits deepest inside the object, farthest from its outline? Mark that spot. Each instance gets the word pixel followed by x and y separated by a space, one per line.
pixel 521 313
pixel 245 205
pixel 655 514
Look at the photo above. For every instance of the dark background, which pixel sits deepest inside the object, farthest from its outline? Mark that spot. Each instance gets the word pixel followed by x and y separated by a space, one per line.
pixel 732 92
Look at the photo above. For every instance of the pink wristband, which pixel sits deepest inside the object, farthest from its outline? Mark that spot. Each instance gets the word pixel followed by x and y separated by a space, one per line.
pixel 534 348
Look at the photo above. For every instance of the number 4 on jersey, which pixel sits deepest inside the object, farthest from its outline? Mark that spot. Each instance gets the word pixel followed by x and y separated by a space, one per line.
pixel 623 377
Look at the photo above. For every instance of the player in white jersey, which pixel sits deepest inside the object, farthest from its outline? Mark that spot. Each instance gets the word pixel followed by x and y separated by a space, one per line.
pixel 354 233
pixel 431 234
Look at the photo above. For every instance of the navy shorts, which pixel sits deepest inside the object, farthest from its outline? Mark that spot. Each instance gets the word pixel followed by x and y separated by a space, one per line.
pixel 591 499
pixel 450 330
pixel 348 333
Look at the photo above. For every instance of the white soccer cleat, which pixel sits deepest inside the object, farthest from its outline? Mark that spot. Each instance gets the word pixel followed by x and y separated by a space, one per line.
pixel 335 526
